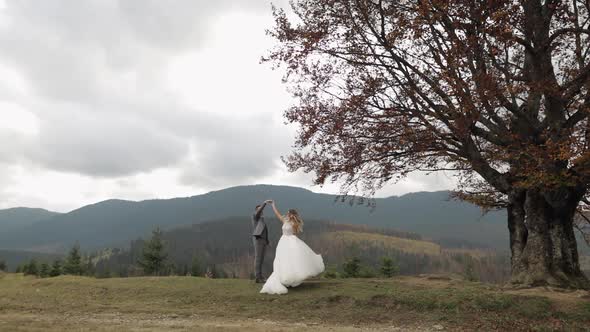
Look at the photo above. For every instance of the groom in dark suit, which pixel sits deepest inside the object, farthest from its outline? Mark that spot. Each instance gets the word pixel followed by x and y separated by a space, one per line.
pixel 260 239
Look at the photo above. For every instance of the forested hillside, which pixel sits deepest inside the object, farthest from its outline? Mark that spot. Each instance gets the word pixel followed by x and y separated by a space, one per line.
pixel 13 258
pixel 225 247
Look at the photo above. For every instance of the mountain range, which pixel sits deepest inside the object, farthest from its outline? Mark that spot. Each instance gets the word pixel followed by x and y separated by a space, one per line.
pixel 15 218
pixel 116 222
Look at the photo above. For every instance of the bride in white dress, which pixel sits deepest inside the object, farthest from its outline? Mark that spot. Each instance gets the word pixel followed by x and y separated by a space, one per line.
pixel 294 260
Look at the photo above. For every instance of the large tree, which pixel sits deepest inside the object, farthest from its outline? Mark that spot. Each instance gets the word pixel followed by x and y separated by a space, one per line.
pixel 497 90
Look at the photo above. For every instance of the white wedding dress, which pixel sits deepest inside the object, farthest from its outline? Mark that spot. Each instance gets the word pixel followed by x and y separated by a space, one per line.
pixel 294 262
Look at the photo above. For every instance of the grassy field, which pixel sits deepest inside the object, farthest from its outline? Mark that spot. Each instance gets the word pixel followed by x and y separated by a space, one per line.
pixel 187 303
pixel 385 241
pixel 364 240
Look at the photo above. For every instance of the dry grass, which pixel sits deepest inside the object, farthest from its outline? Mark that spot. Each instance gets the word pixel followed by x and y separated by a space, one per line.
pixel 186 303
pixel 385 241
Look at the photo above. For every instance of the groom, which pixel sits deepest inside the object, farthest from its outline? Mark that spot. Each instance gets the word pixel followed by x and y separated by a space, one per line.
pixel 260 239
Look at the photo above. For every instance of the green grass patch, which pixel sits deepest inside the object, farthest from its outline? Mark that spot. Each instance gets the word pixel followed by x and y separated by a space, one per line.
pixel 336 301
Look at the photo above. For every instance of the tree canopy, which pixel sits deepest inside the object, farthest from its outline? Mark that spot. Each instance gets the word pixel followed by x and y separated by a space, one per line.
pixel 497 91
pixel 153 256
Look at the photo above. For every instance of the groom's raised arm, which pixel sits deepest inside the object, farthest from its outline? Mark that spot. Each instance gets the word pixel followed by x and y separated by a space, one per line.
pixel 259 211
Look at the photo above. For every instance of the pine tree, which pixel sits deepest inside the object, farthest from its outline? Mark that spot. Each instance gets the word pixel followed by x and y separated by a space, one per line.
pixel 55 268
pixel 367 272
pixel 352 267
pixel 153 255
pixel 73 264
pixel 331 273
pixel 44 270
pixel 196 268
pixel 19 269
pixel 2 265
pixel 388 268
pixel 31 268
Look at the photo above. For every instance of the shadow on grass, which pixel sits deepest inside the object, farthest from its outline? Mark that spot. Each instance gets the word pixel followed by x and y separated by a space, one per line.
pixel 313 285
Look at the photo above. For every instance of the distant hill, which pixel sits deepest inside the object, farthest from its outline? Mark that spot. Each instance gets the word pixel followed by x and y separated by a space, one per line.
pixel 116 222
pixel 15 218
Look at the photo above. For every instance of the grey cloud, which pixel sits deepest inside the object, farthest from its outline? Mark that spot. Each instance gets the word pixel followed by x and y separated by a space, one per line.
pixel 62 68
pixel 110 24
pixel 76 55
pixel 245 153
pixel 71 49
pixel 91 144
pixel 11 147
pixel 174 25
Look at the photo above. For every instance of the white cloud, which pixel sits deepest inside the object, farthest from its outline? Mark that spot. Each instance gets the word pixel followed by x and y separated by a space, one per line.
pixel 140 98
pixel 18 119
pixel 226 75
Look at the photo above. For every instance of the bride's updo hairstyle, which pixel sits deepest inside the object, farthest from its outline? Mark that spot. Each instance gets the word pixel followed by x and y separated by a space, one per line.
pixel 295 219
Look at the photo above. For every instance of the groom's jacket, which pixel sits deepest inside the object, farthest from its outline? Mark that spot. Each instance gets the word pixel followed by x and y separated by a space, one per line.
pixel 259 230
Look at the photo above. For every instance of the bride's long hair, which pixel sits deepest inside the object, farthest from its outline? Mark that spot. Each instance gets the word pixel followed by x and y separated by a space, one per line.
pixel 295 219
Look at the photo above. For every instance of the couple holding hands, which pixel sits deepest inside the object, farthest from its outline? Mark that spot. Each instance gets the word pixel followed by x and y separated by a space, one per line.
pixel 294 260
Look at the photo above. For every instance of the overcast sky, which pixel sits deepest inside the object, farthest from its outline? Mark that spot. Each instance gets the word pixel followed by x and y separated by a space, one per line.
pixel 139 99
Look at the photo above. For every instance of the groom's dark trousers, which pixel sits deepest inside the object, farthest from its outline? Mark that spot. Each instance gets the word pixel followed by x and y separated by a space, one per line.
pixel 260 239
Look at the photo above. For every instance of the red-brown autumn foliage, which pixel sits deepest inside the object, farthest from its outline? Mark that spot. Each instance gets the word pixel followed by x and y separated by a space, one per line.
pixel 496 90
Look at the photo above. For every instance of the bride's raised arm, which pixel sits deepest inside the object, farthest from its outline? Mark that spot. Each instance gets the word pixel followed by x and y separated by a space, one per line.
pixel 277 213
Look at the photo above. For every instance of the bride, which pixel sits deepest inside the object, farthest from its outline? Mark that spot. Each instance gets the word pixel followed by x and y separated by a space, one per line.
pixel 294 260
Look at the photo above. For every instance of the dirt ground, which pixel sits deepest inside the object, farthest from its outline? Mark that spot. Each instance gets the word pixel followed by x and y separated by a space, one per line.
pixel 133 322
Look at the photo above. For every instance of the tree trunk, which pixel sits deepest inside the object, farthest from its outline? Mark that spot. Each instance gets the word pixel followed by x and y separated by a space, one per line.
pixel 542 239
pixel 517 227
